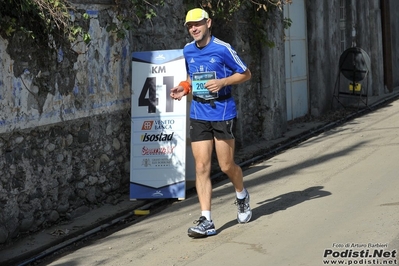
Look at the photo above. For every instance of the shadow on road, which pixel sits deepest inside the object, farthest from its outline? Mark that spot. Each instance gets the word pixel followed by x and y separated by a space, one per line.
pixel 282 202
pixel 287 200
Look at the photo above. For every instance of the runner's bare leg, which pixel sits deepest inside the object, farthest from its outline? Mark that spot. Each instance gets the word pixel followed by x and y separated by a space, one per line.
pixel 225 154
pixel 202 152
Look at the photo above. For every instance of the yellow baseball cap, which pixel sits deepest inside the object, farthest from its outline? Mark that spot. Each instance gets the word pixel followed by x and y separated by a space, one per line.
pixel 195 15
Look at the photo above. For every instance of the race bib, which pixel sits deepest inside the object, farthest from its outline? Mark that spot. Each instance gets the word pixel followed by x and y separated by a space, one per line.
pixel 198 85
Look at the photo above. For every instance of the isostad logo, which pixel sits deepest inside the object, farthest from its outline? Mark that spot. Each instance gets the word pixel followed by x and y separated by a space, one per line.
pixel 147 125
pixel 157 137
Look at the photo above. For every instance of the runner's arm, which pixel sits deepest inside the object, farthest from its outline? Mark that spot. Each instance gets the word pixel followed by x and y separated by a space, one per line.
pixel 178 92
pixel 237 78
pixel 217 84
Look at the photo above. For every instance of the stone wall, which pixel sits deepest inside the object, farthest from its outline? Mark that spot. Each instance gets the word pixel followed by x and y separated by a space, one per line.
pixel 61 171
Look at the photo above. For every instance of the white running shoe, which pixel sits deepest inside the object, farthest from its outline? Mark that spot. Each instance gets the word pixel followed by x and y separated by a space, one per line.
pixel 244 212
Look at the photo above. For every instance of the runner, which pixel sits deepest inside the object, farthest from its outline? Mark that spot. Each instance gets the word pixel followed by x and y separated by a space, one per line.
pixel 212 67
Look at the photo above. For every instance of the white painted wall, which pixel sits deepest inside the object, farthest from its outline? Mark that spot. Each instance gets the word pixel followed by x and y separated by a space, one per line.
pixel 102 76
pixel 296 66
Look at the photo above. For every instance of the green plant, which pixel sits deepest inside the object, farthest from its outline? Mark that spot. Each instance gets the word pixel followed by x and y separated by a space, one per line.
pixel 44 20
pixel 226 10
pixel 39 19
pixel 287 22
pixel 134 12
pixel 131 13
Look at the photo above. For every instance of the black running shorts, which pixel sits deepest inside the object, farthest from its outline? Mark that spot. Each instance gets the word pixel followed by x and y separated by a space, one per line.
pixel 207 130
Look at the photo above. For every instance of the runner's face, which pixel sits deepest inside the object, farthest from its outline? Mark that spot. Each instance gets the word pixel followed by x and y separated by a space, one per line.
pixel 200 31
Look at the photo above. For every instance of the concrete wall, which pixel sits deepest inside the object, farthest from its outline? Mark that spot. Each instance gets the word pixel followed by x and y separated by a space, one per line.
pixel 394 28
pixel 272 82
pixel 366 17
pixel 324 52
pixel 262 101
pixel 325 49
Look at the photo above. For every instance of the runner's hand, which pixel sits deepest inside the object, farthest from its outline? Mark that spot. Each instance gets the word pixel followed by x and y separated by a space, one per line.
pixel 214 85
pixel 177 92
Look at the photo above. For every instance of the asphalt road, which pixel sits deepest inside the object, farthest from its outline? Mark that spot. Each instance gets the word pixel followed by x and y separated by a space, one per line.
pixel 332 198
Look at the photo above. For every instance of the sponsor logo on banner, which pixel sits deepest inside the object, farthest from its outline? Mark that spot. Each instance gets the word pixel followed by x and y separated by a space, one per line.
pixel 147 125
pixel 164 124
pixel 158 124
pixel 146 162
pixel 156 137
pixel 166 150
pixel 157 193
pixel 157 162
pixel 160 57
pixel 162 162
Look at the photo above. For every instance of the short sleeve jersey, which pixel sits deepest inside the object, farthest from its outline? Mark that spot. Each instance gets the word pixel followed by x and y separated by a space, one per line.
pixel 220 57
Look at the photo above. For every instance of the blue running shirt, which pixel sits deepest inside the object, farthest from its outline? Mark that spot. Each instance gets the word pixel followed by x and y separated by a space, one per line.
pixel 216 56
